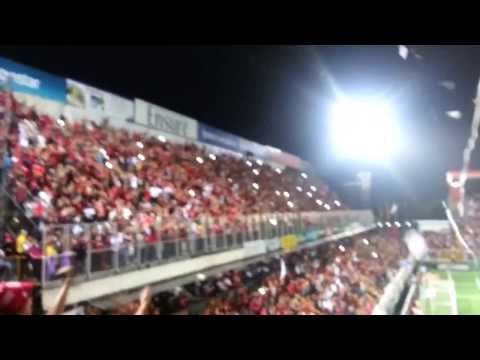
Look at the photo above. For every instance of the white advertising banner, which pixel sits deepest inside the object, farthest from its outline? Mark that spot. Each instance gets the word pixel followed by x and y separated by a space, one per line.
pixel 89 102
pixel 165 121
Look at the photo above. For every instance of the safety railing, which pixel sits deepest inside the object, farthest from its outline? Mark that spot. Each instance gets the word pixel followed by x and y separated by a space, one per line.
pixel 98 250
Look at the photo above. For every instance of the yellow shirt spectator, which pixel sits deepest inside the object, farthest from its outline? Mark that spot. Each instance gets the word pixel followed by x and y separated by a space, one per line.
pixel 21 242
pixel 50 250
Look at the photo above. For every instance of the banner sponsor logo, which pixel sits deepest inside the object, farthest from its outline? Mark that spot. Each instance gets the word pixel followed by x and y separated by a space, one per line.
pixel 163 120
pixel 27 80
pixel 218 137
pixel 97 103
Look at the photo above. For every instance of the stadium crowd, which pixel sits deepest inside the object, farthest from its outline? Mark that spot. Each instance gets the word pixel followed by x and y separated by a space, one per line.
pixel 63 172
pixel 346 277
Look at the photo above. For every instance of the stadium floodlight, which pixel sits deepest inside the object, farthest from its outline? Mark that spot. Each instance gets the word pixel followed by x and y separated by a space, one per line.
pixel 256 172
pixel 364 129
pixel 139 145
pixel 249 163
pixel 162 138
pixel 279 171
pixel 212 157
pixel 309 194
pixel 199 160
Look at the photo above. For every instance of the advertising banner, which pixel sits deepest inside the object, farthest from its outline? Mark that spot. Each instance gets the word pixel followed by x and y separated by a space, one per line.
pixel 289 242
pixel 211 135
pixel 287 159
pixel 85 100
pixel 253 147
pixel 165 121
pixel 27 80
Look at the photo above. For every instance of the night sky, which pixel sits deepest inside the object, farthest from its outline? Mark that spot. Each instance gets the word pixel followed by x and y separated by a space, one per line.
pixel 279 96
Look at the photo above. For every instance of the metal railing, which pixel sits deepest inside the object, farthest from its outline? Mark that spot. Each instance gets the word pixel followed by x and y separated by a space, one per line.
pixel 88 248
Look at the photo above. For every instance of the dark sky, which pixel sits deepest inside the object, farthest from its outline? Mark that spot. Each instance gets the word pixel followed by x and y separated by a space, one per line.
pixel 277 95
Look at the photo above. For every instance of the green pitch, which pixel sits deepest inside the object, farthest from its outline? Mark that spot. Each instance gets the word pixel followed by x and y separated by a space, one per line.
pixel 451 293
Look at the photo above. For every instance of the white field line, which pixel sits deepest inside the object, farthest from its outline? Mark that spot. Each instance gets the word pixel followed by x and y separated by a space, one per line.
pixel 452 293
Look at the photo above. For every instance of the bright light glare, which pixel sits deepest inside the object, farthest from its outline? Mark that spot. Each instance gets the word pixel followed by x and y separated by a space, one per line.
pixel 286 194
pixel 374 255
pixel 191 193
pixel 273 221
pixel 139 145
pixel 277 193
pixel 341 248
pixel 278 171
pixel 304 175
pixel 255 186
pixel 141 157
pixel 199 160
pixel 290 204
pixel 364 130
pixel 319 202
pixel 212 157
pixel 260 162
pixel 408 223
pixel 256 172
pixel 109 165
pixel 326 206
pixel 313 188
pixel 380 225
pixel 249 163
pixel 162 138
pixel 299 189
pixel 388 225
pixel 365 241
pixel 397 224
pixel 337 203
pixel 309 194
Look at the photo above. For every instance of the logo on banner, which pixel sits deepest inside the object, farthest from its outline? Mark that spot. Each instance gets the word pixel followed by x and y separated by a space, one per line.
pixel 161 122
pixel 27 80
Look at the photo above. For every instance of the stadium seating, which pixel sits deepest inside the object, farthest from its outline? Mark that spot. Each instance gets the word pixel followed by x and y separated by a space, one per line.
pixel 78 172
pixel 333 278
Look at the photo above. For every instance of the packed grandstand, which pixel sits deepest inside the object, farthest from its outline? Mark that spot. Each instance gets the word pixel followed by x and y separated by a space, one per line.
pixel 88 200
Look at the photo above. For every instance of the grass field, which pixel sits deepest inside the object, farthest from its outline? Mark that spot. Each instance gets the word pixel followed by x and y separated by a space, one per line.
pixel 451 293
